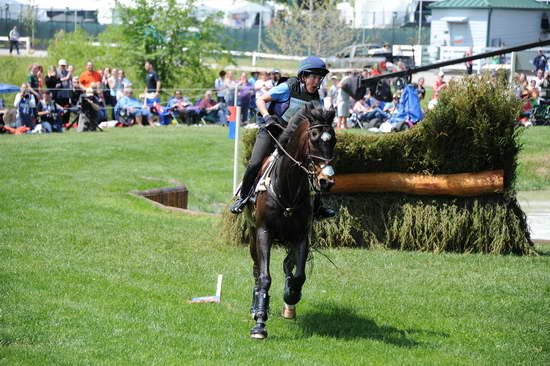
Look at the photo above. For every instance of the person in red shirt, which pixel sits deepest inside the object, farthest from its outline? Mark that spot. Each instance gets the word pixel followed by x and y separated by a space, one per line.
pixel 439 82
pixel 88 77
pixel 375 71
pixel 211 110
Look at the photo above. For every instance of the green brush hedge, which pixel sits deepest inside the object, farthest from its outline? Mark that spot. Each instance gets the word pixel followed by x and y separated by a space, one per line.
pixel 472 129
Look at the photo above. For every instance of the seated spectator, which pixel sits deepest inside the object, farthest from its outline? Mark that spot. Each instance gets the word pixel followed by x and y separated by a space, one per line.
pixel 212 111
pixel 102 113
pixel 129 110
pixel 49 113
pixel 532 85
pixel 182 109
pixel 368 109
pixel 25 103
pixel 391 107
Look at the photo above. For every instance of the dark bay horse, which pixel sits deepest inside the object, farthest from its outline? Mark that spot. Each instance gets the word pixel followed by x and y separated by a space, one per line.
pixel 284 212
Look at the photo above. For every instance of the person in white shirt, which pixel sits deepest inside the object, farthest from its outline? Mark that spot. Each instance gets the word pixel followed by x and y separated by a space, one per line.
pixel 14 39
pixel 219 85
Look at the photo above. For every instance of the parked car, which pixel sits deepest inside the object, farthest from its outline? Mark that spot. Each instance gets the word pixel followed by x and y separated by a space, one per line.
pixel 358 50
pixel 366 54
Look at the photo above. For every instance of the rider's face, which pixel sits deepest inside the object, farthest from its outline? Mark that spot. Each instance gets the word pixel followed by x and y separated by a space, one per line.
pixel 312 82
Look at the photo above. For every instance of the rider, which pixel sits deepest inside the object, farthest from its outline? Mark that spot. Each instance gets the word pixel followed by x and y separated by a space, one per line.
pixel 285 100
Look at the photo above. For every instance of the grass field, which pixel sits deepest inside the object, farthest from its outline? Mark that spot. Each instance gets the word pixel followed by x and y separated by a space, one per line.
pixel 93 276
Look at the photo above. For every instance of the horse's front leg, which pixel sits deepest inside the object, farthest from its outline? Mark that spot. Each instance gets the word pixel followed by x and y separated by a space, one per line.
pixel 256 274
pixel 297 257
pixel 261 301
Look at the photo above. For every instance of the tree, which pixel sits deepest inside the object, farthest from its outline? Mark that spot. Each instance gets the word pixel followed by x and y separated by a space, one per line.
pixel 312 28
pixel 169 35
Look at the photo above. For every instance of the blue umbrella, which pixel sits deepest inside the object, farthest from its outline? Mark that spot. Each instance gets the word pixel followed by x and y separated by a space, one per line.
pixel 8 88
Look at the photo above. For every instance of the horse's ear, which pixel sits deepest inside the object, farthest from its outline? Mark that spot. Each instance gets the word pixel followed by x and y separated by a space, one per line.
pixel 331 112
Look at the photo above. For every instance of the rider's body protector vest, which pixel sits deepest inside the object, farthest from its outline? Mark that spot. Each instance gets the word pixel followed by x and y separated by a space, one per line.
pixel 297 100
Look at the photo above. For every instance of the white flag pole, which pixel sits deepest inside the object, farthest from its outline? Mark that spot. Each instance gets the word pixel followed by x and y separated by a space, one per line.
pixel 236 148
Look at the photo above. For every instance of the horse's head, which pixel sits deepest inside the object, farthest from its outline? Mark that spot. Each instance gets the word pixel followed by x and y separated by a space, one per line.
pixel 321 141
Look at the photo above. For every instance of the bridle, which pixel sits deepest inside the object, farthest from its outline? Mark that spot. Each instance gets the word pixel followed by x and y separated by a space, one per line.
pixel 308 168
pixel 310 157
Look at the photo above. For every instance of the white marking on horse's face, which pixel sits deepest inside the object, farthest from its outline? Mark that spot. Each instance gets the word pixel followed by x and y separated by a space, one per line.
pixel 328 170
pixel 326 136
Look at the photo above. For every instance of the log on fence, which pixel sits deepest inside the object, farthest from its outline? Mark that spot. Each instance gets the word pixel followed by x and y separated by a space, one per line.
pixel 463 184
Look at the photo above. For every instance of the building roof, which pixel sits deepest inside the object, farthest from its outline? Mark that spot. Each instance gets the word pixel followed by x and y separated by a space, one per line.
pixel 487 4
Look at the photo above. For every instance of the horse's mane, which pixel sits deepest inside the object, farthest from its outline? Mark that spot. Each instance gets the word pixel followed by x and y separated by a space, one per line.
pixel 294 133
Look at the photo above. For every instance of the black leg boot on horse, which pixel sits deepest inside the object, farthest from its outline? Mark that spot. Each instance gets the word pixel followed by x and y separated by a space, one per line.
pixel 260 315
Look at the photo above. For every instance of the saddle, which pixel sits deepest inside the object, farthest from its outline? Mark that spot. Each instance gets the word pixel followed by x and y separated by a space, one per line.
pixel 265 173
pixel 263 178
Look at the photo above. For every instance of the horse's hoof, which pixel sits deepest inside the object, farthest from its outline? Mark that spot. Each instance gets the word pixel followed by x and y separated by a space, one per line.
pixel 258 333
pixel 289 311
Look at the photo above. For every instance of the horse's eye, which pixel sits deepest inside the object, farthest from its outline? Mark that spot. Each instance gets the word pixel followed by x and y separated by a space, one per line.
pixel 314 135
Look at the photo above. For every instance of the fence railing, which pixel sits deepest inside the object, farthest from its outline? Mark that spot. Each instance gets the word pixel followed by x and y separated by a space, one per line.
pixel 26 40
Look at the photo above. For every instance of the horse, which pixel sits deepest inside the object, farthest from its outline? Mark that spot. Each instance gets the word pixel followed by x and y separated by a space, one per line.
pixel 284 211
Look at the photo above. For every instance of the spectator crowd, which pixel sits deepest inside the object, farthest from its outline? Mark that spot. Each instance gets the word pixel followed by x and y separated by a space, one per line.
pixel 60 98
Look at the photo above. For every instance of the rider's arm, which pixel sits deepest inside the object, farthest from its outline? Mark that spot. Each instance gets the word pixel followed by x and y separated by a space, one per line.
pixel 280 93
pixel 261 104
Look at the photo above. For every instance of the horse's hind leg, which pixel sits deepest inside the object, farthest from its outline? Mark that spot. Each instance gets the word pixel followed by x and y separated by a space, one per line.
pixel 297 258
pixel 261 297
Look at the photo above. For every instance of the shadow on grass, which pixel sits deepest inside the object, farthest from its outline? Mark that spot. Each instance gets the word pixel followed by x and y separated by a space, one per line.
pixel 331 320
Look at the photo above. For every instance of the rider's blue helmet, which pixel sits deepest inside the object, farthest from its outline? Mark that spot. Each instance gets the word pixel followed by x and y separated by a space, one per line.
pixel 313 65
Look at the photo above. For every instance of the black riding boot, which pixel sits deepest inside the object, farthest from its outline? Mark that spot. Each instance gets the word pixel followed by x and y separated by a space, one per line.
pixel 320 212
pixel 246 191
pixel 263 146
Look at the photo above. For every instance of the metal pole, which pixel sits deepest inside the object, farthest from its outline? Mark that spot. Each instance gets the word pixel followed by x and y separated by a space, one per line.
pixel 32 24
pixel 512 66
pixel 75 20
pixel 260 30
pixel 236 148
pixel 393 28
pixel 310 31
pixel 420 24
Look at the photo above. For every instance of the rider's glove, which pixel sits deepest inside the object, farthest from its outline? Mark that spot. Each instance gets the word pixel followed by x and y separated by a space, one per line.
pixel 270 120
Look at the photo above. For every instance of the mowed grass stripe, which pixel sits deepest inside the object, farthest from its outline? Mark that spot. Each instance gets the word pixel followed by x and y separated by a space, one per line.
pixel 92 275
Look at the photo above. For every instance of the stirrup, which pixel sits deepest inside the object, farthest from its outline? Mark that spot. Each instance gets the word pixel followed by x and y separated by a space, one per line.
pixel 238 206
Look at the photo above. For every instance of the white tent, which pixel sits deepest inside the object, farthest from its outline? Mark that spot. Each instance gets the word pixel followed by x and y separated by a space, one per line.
pixel 240 14
pixel 244 14
pixel 104 8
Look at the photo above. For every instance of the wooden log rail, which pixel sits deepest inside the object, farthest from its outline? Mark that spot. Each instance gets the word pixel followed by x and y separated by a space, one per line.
pixel 463 184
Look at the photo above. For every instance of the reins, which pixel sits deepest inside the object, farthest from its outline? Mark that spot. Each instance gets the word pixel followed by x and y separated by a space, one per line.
pixel 288 155
pixel 309 172
pixel 288 209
